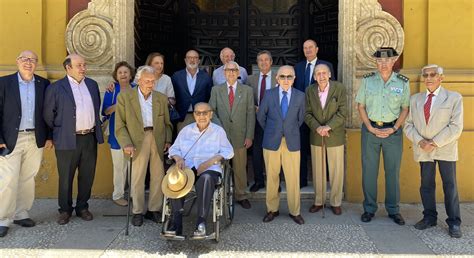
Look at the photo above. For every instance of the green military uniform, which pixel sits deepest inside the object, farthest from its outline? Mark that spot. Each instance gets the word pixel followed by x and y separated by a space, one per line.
pixel 383 103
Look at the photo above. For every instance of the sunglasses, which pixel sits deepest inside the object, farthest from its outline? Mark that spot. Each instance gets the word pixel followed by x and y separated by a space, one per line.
pixel 231 70
pixel 431 75
pixel 286 77
pixel 202 113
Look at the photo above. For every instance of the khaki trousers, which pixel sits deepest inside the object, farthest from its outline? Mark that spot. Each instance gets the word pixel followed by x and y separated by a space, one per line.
pixel 17 179
pixel 148 152
pixel 188 119
pixel 239 164
pixel 335 157
pixel 119 162
pixel 290 160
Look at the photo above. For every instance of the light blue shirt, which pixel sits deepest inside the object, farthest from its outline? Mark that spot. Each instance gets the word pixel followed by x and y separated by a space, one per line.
pixel 218 76
pixel 27 96
pixel 268 82
pixel 288 94
pixel 191 81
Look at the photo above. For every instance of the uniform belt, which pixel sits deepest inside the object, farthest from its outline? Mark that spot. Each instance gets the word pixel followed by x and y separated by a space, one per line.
pixel 86 131
pixel 148 128
pixel 27 130
pixel 381 124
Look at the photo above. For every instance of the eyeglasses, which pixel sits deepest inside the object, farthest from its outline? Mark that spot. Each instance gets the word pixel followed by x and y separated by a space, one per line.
pixel 286 77
pixel 431 75
pixel 234 70
pixel 202 113
pixel 25 59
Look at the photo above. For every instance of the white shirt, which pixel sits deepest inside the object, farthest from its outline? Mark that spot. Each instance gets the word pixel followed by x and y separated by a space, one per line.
pixel 164 86
pixel 212 142
pixel 268 83
pixel 313 64
pixel 433 99
pixel 234 87
pixel 147 108
pixel 84 106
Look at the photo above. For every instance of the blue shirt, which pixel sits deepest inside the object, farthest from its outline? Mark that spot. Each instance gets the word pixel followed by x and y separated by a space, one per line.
pixel 218 76
pixel 27 96
pixel 288 94
pixel 191 81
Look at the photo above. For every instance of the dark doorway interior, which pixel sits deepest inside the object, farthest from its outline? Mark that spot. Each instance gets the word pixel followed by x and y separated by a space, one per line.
pixel 247 26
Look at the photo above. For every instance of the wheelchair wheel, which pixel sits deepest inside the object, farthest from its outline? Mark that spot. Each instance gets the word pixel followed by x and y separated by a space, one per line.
pixel 229 197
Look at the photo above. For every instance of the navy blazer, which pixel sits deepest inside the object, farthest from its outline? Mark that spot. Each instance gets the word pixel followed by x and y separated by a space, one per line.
pixel 274 127
pixel 300 68
pixel 202 91
pixel 10 110
pixel 60 112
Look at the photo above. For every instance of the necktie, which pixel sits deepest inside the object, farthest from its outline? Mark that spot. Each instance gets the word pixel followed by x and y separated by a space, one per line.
pixel 231 97
pixel 307 75
pixel 284 104
pixel 263 87
pixel 427 107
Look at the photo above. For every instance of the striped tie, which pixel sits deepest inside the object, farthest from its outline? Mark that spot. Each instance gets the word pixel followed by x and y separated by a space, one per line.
pixel 427 107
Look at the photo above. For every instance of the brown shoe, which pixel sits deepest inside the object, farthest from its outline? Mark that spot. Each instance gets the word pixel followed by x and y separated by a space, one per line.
pixel 121 202
pixel 85 215
pixel 63 218
pixel 298 219
pixel 270 216
pixel 315 208
pixel 245 204
pixel 336 210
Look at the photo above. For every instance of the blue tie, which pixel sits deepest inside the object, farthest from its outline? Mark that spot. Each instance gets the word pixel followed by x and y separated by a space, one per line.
pixel 307 76
pixel 284 104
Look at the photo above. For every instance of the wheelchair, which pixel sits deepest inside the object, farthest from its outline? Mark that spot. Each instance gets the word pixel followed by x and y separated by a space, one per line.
pixel 222 206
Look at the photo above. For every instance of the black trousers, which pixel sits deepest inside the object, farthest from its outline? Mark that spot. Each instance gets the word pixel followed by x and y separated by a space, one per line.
pixel 257 156
pixel 447 170
pixel 205 186
pixel 305 151
pixel 83 158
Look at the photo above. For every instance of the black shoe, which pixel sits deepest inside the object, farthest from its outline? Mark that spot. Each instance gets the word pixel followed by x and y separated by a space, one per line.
pixel 3 231
pixel 366 217
pixel 174 230
pixel 27 223
pixel 137 220
pixel 424 224
pixel 455 231
pixel 244 203
pixel 397 218
pixel 303 185
pixel 154 216
pixel 255 187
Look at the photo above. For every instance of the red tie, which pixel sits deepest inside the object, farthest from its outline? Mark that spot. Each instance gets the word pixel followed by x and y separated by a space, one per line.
pixel 263 87
pixel 427 107
pixel 231 97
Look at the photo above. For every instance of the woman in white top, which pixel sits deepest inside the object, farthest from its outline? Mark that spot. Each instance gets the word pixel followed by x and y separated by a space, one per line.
pixel 163 81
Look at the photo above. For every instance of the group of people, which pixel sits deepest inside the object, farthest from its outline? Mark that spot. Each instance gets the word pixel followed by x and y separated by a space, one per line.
pixel 285 117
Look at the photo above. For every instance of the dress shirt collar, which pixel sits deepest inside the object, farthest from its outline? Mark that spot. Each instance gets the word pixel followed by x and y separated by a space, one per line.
pixel 190 75
pixel 269 74
pixel 313 62
pixel 325 89
pixel 143 96
pixel 435 93
pixel 233 85
pixel 73 81
pixel 20 80
pixel 288 91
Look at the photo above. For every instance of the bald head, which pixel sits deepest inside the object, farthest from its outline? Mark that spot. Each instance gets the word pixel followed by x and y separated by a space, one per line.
pixel 26 63
pixel 75 66
pixel 227 55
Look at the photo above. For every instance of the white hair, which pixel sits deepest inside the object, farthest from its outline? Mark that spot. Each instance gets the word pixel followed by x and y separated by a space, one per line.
pixel 143 69
pixel 321 66
pixel 438 68
pixel 234 63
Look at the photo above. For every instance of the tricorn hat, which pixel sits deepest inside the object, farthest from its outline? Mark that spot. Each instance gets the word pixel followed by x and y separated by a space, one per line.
pixel 384 52
pixel 177 183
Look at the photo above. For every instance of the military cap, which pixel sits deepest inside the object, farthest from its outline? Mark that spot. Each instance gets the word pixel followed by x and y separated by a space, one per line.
pixel 385 52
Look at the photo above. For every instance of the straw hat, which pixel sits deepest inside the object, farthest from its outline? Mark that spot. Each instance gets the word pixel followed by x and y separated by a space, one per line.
pixel 177 183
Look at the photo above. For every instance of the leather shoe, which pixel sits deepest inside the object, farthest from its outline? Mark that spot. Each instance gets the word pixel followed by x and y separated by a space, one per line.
pixel 137 220
pixel 85 214
pixel 174 230
pixel 336 210
pixel 244 203
pixel 121 202
pixel 27 223
pixel 270 216
pixel 154 216
pixel 200 231
pixel 315 208
pixel 3 231
pixel 397 218
pixel 63 218
pixel 298 219
pixel 255 187
pixel 424 224
pixel 455 231
pixel 366 217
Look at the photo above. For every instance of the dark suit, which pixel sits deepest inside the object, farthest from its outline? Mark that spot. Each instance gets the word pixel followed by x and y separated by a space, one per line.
pixel 300 69
pixel 10 111
pixel 72 150
pixel 202 91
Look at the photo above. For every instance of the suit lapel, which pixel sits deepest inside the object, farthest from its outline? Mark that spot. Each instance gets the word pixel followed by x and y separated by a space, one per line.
pixel 276 100
pixel 67 88
pixel 39 95
pixel 332 89
pixel 439 100
pixel 16 90
pixel 134 99
pixel 237 97
pixel 420 103
pixel 91 89
pixel 198 82
pixel 225 97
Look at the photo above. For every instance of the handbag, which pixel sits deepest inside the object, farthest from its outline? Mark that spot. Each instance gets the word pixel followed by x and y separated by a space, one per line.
pixel 174 115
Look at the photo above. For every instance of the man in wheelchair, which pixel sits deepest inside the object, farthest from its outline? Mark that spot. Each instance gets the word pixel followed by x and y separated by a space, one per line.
pixel 200 146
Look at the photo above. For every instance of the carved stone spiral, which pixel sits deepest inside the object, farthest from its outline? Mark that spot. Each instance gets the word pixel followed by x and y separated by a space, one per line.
pixel 90 37
pixel 375 32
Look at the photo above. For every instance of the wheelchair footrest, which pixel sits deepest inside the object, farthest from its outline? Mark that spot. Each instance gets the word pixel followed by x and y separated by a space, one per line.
pixel 208 237
pixel 172 237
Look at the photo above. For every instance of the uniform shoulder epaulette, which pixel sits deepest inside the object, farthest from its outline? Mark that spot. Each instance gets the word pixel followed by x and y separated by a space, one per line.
pixel 367 75
pixel 402 77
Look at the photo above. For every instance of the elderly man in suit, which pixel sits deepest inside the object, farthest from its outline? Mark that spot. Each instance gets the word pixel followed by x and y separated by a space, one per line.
pixel 434 125
pixel 260 82
pixel 23 135
pixel 219 76
pixel 71 109
pixel 191 86
pixel 325 115
pixel 280 114
pixel 233 105
pixel 304 71
pixel 143 129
